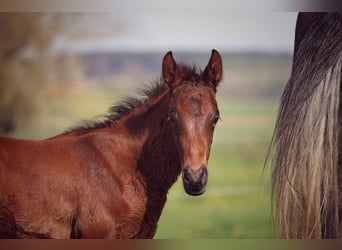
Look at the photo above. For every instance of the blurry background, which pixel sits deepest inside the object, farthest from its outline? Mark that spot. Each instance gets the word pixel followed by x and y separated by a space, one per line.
pixel 59 68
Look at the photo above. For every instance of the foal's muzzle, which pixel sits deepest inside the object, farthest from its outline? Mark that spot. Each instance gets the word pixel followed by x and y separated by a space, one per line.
pixel 195 181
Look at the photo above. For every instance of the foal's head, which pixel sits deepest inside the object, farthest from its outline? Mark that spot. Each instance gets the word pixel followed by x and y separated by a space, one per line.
pixel 193 114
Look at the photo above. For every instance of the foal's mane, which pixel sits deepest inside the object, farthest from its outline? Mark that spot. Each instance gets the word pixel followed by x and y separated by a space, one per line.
pixel 126 106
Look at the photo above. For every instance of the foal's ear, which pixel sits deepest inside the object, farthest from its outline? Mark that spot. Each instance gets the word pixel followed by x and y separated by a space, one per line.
pixel 213 72
pixel 171 73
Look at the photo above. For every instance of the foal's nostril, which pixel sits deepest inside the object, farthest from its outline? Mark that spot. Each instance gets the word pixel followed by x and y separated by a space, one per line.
pixel 204 176
pixel 187 176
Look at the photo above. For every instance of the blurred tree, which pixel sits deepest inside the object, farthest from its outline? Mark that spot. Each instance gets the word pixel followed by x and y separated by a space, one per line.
pixel 24 45
pixel 29 59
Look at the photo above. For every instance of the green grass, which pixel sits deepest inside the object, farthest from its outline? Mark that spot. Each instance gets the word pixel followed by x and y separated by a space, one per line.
pixel 229 216
pixel 237 201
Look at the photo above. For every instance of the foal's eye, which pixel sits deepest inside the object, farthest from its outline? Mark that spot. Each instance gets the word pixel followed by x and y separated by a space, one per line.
pixel 216 118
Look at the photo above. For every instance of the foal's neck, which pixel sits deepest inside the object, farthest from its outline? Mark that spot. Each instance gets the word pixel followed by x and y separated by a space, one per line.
pixel 159 160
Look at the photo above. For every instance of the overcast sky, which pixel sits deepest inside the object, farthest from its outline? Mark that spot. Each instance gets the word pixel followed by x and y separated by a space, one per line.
pixel 198 29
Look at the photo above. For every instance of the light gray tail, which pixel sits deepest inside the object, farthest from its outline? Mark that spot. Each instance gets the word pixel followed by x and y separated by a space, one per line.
pixel 306 141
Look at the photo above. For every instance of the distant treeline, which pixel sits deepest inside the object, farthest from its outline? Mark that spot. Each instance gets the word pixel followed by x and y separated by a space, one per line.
pixel 112 63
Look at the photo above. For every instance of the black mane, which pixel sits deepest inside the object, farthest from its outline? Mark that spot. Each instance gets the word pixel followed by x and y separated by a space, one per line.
pixel 126 106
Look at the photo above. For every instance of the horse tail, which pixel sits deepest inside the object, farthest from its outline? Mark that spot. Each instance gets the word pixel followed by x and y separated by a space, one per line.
pixel 305 150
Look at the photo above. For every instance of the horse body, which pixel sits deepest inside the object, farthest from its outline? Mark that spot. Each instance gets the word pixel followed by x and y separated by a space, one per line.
pixel 71 189
pixel 109 180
